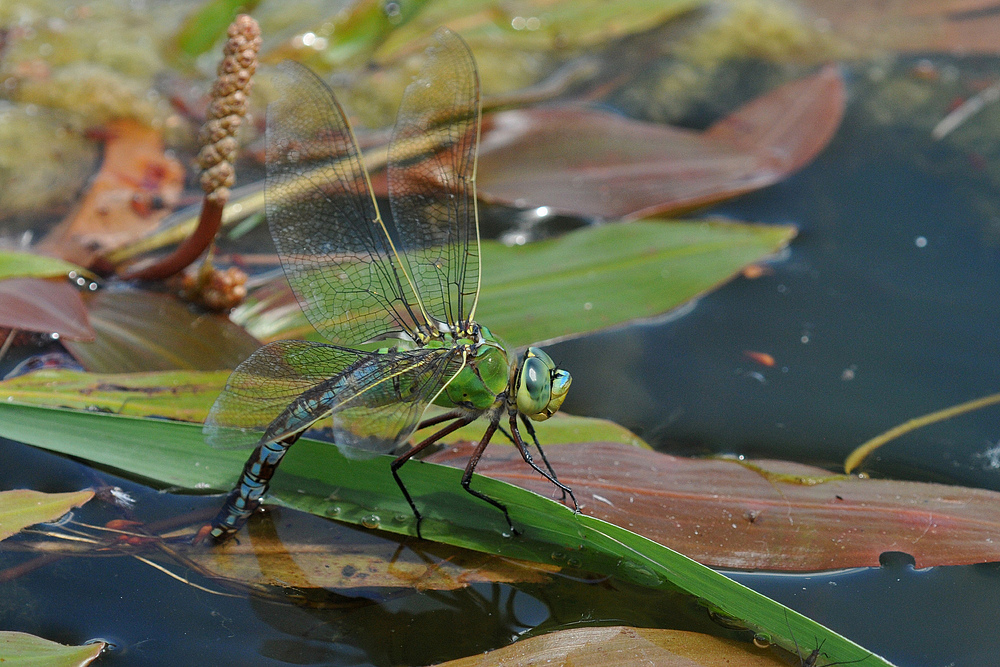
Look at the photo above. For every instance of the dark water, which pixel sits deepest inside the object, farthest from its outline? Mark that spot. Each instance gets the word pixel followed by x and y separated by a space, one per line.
pixel 885 308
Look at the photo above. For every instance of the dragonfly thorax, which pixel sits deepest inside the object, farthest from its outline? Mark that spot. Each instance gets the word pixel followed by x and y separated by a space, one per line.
pixel 485 376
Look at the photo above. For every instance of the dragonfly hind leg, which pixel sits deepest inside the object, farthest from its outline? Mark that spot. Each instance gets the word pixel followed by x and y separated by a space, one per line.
pixel 471 466
pixel 459 422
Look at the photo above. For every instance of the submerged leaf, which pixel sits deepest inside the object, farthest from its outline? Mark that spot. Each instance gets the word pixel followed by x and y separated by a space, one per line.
pixel 145 331
pixel 599 164
pixel 311 554
pixel 21 508
pixel 623 646
pixel 44 306
pixel 770 515
pixel 590 279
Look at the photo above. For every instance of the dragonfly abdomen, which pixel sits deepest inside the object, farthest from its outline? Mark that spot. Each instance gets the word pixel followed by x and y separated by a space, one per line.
pixel 246 495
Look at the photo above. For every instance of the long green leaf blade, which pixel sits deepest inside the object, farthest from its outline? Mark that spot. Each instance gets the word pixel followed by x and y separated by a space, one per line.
pixel 318 478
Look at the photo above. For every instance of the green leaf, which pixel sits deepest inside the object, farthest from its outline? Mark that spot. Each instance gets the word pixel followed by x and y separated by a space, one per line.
pixel 206 26
pixel 21 508
pixel 180 395
pixel 607 275
pixel 27 265
pixel 188 396
pixel 24 650
pixel 590 279
pixel 317 478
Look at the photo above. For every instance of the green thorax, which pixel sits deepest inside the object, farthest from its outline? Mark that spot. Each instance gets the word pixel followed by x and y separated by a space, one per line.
pixel 485 375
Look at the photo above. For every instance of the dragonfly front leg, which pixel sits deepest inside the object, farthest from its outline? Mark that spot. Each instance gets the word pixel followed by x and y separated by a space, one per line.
pixel 534 437
pixel 426 442
pixel 526 455
pixel 471 466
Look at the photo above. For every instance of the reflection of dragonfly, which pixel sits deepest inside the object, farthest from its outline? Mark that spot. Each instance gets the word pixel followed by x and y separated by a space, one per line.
pixel 363 283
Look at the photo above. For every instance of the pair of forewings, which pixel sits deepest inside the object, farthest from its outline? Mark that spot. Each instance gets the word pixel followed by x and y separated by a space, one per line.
pixel 359 278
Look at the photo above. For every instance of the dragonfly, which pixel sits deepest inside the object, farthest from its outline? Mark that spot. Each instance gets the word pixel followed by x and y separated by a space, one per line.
pixel 396 300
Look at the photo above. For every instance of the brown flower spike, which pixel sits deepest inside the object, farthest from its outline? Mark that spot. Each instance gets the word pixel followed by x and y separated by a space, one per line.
pixel 225 115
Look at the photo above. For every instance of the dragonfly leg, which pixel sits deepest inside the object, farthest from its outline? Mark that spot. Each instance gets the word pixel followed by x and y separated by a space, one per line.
pixel 434 421
pixel 526 455
pixel 423 444
pixel 529 427
pixel 471 466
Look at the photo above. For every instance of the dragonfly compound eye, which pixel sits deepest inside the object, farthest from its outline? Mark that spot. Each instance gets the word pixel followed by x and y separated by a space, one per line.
pixel 541 387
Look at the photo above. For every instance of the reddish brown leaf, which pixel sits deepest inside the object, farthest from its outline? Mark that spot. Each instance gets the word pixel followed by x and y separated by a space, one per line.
pixel 45 306
pixel 136 186
pixel 596 163
pixel 792 517
pixel 915 26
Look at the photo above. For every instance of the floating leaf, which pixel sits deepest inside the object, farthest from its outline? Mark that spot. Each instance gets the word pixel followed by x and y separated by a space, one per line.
pixel 145 331
pixel 590 279
pixel 615 646
pixel 317 478
pixel 180 395
pixel 768 515
pixel 29 265
pixel 21 508
pixel 599 164
pixel 19 648
pixel 44 306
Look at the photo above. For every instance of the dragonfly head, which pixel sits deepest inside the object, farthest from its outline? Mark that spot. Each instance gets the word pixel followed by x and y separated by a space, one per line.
pixel 541 387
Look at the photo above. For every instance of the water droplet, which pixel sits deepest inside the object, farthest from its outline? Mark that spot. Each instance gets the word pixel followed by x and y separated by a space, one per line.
pixel 371 521
pixel 760 640
pixel 334 511
pixel 558 555
pixel 574 562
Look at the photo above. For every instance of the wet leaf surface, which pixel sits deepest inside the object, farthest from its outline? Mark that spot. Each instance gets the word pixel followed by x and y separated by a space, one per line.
pixel 44 306
pixel 600 164
pixel 767 515
pixel 618 645
pixel 146 331
pixel 21 508
pixel 181 395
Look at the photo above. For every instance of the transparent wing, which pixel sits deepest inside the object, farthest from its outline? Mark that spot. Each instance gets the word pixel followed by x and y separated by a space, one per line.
pixel 431 172
pixel 376 399
pixel 263 387
pixel 323 219
pixel 378 412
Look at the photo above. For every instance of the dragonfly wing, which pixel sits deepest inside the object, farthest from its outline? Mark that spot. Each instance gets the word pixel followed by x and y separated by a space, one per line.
pixel 382 400
pixel 432 172
pixel 264 385
pixel 324 221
